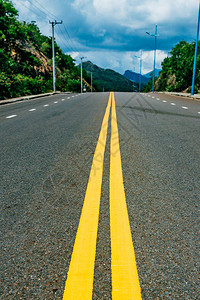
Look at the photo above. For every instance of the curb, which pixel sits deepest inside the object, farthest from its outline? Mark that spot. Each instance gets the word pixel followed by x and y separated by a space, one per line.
pixel 7 101
pixel 186 95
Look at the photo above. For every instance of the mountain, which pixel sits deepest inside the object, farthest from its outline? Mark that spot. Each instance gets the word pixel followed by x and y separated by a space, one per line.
pixel 135 77
pixel 157 72
pixel 107 79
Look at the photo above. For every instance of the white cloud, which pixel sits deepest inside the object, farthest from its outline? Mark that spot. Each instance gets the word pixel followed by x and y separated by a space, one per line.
pixel 110 9
pixel 122 61
pixel 98 28
pixel 136 13
pixel 74 55
pixel 148 58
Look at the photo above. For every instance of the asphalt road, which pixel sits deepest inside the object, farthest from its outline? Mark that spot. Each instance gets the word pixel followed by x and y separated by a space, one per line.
pixel 47 149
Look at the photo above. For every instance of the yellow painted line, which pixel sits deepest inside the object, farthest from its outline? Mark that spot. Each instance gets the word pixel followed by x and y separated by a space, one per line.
pixel 125 281
pixel 79 283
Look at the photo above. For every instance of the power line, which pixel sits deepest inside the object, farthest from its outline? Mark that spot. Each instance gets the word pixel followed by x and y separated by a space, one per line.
pixel 66 42
pixel 76 50
pixel 34 11
pixel 52 15
pixel 48 14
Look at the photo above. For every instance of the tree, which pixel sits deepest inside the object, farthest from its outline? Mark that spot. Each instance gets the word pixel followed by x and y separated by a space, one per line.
pixel 25 58
pixel 177 69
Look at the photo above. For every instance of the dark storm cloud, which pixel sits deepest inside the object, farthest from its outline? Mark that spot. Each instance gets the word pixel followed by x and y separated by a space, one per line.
pixel 115 26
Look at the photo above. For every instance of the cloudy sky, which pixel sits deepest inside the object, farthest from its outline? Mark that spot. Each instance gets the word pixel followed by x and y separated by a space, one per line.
pixel 111 33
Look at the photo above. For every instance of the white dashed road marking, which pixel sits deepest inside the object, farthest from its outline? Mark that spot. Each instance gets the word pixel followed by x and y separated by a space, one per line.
pixel 184 107
pixel 198 112
pixel 158 99
pixel 46 105
pixel 33 109
pixel 173 104
pixel 63 99
pixel 56 102
pixel 164 101
pixel 12 116
pixel 153 97
pixel 68 98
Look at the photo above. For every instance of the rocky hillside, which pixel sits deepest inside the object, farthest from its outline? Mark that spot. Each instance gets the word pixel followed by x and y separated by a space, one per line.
pixel 25 59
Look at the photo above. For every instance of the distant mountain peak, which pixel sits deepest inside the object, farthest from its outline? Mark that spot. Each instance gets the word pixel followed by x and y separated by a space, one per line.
pixel 149 74
pixel 108 79
pixel 135 77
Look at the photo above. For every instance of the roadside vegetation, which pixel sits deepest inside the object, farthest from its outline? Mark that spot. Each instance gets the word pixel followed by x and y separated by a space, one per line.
pixel 26 64
pixel 177 70
pixel 26 59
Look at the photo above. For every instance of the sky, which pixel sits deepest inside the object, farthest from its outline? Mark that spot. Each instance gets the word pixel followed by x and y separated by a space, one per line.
pixel 112 33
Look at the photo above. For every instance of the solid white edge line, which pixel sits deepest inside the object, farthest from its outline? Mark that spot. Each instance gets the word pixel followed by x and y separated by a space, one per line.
pixel 12 116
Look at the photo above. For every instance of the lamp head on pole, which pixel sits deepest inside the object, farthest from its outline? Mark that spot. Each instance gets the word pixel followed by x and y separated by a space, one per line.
pixel 82 57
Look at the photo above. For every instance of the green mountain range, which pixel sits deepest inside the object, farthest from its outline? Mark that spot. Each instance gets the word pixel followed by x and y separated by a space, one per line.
pixel 107 79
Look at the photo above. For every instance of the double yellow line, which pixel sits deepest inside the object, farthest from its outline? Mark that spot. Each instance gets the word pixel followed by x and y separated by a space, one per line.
pixel 125 282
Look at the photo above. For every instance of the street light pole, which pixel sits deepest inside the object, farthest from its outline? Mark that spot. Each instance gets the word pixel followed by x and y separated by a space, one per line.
pixel 133 81
pixel 195 56
pixel 140 74
pixel 82 73
pixel 91 82
pixel 140 80
pixel 154 63
pixel 54 23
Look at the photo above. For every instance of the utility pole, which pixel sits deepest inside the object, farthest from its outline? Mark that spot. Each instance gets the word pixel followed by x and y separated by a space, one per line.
pixel 91 82
pixel 54 23
pixel 195 56
pixel 82 73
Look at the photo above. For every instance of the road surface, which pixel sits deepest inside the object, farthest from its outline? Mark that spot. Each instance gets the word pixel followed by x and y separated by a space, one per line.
pixel 47 157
